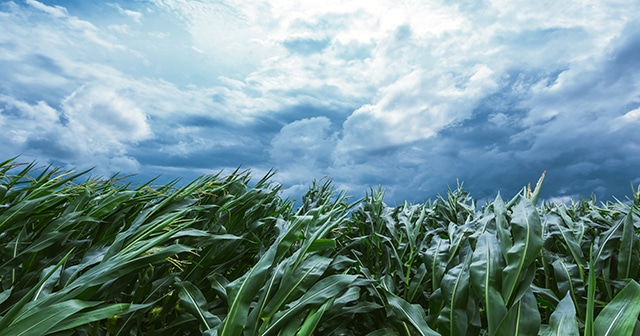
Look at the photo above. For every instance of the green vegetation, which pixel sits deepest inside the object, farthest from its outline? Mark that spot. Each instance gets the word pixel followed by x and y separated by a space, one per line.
pixel 219 256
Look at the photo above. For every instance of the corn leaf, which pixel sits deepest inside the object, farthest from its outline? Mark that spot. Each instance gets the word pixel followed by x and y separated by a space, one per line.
pixel 502 226
pixel 313 318
pixel 196 304
pixel 620 315
pixel 40 321
pixel 629 255
pixel 523 317
pixel 242 291
pixel 591 293
pixel 436 259
pixel 296 284
pixel 526 231
pixel 18 308
pixel 94 315
pixel 563 321
pixel 5 294
pixel 454 319
pixel 412 313
pixel 486 265
pixel 568 280
pixel 322 291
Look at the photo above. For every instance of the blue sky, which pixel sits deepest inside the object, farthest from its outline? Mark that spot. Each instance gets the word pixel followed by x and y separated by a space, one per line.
pixel 409 95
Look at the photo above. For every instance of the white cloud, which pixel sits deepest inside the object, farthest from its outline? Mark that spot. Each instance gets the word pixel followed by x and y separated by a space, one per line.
pixel 55 11
pixel 631 116
pixel 134 15
pixel 303 147
pixel 124 163
pixel 21 120
pixel 121 29
pixel 415 107
pixel 102 114
pixel 395 76
pixel 231 37
pixel 95 126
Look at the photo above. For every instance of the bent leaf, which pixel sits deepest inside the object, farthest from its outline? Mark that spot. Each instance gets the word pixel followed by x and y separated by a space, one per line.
pixel 619 317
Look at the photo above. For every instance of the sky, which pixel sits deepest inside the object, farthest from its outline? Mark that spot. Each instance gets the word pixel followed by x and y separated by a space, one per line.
pixel 412 96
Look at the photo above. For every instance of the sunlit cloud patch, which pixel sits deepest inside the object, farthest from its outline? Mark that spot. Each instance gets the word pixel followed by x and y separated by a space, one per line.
pixel 413 96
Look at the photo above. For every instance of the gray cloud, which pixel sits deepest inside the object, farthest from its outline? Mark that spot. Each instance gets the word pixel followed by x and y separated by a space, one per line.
pixel 411 96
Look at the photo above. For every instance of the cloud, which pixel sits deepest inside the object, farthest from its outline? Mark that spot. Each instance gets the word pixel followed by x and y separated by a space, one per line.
pixel 303 148
pixel 55 11
pixel 134 15
pixel 93 125
pixel 105 115
pixel 409 95
pixel 305 46
pixel 416 106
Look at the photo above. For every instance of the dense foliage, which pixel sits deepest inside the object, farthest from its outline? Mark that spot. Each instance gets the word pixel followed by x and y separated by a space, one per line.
pixel 222 256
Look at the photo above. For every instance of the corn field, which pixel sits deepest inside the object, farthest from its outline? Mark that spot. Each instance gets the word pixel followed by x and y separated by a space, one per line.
pixel 222 255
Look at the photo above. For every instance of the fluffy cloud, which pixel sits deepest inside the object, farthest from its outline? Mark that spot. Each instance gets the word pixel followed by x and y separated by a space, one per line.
pixel 93 126
pixel 303 148
pixel 409 95
pixel 415 107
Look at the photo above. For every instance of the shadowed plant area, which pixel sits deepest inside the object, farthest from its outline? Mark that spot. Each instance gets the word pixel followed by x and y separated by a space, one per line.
pixel 223 255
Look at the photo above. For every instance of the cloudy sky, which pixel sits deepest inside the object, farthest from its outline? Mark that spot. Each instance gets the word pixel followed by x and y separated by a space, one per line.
pixel 409 95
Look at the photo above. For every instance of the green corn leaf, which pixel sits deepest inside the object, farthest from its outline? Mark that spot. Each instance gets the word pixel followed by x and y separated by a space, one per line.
pixel 201 233
pixel 109 202
pixel 411 313
pixel 5 295
pixel 417 283
pixel 453 319
pixel 384 332
pixel 322 291
pixel 196 304
pixel 39 321
pixel 629 256
pixel 436 259
pixel 620 315
pixel 526 231
pixel 575 235
pixel 296 284
pixel 257 314
pixel 17 308
pixel 502 226
pixel 26 208
pixel 486 265
pixel 3 192
pixel 559 230
pixel 322 244
pixel 293 325
pixel 218 284
pixel 523 318
pixel 48 285
pixel 242 291
pixel 116 268
pixel 563 321
pixel 545 294
pixel 313 318
pixel 458 235
pixel 606 245
pixel 591 294
pixel 94 315
pixel 568 280
pixel 79 203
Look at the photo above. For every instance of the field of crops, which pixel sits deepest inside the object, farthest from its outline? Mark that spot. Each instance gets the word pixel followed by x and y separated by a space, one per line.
pixel 226 256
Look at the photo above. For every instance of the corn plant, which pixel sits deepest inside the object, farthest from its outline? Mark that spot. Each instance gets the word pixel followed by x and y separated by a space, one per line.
pixel 222 255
